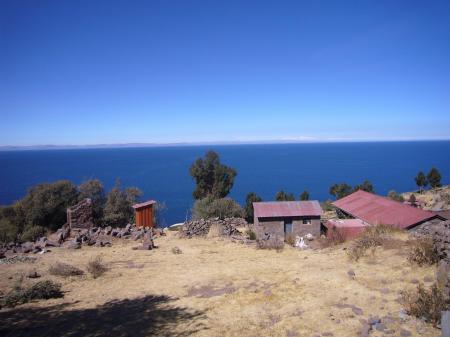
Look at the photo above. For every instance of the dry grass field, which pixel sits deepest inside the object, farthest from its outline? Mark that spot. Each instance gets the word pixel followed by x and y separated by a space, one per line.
pixel 219 288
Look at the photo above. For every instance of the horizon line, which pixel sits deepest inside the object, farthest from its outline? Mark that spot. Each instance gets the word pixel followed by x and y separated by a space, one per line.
pixel 234 142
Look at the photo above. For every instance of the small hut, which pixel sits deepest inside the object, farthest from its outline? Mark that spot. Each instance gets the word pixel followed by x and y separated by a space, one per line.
pixel 144 214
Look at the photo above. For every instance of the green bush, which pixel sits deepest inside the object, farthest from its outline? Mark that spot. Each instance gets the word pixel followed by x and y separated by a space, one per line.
pixel 208 208
pixel 8 230
pixel 32 233
pixel 40 290
pixel 118 210
pixel 251 234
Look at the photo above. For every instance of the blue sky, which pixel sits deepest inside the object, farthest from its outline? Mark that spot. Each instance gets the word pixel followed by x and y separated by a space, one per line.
pixel 88 72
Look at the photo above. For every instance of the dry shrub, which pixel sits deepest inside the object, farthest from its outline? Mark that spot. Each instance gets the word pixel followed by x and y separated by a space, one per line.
pixel 423 251
pixel 215 231
pixel 96 267
pixel 290 239
pixel 177 250
pixel 426 303
pixel 371 237
pixel 64 269
pixel 251 234
pixel 40 290
pixel 273 242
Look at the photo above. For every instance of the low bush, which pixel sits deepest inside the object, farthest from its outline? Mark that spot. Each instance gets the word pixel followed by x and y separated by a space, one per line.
pixel 372 237
pixel 177 250
pixel 271 243
pixel 96 267
pixel 40 290
pixel 32 233
pixel 290 239
pixel 423 252
pixel 209 207
pixel 64 269
pixel 426 303
pixel 251 235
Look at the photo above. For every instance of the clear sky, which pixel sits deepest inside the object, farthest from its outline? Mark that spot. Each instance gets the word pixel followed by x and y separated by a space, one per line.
pixel 88 72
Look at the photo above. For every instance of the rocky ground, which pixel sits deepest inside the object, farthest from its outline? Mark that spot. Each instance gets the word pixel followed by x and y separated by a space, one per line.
pixel 432 199
pixel 214 287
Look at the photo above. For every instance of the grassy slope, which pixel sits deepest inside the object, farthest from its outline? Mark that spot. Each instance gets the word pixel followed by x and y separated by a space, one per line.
pixel 235 290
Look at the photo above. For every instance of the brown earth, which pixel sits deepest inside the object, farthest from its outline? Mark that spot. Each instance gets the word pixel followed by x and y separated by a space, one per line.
pixel 218 288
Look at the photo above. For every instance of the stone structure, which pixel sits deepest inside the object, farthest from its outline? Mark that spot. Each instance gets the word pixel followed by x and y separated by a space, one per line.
pixel 80 215
pixel 201 227
pixel 283 218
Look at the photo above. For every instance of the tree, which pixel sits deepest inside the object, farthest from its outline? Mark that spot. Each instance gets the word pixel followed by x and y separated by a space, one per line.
pixel 340 190
pixel 304 195
pixel 283 196
pixel 412 200
pixel 46 205
pixel 395 196
pixel 93 189
pixel 118 211
pixel 434 178
pixel 249 200
pixel 211 177
pixel 421 181
pixel 209 207
pixel 365 186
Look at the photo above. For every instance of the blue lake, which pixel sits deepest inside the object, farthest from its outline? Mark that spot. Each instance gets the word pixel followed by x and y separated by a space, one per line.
pixel 162 173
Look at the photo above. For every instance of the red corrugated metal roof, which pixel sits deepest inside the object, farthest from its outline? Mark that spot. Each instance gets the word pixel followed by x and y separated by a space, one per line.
pixel 376 209
pixel 273 209
pixel 144 204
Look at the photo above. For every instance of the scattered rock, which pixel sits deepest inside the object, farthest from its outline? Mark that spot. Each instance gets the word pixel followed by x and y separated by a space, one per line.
pixel 33 274
pixel 201 227
pixel 405 333
pixel 351 274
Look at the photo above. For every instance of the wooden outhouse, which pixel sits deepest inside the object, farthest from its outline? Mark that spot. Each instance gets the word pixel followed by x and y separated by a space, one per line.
pixel 144 214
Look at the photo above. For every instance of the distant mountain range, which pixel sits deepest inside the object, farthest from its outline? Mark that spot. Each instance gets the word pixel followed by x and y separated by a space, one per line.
pixel 143 145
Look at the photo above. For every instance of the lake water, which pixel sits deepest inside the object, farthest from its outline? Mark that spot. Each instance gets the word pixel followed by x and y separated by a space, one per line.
pixel 162 173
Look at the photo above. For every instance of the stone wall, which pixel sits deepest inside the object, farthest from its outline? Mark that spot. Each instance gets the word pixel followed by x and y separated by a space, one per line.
pixel 80 215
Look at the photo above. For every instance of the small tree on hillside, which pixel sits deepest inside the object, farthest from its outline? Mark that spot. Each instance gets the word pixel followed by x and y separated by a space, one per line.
pixel 209 207
pixel 412 200
pixel 365 186
pixel 93 189
pixel 395 196
pixel 249 200
pixel 434 178
pixel 421 181
pixel 283 196
pixel 304 195
pixel 118 211
pixel 211 177
pixel 340 190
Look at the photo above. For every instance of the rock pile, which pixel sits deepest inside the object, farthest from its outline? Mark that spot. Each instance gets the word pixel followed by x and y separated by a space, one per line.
pixel 227 227
pixel 75 239
pixel 440 233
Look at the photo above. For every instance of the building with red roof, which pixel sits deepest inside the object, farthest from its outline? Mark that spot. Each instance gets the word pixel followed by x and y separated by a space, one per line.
pixel 284 218
pixel 374 209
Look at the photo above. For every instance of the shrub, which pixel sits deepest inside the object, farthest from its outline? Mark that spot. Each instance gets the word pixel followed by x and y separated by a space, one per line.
pixel 118 209
pixel 64 269
pixel 335 236
pixel 208 208
pixel 327 206
pixel 423 252
pixel 177 250
pixel 270 243
pixel 290 239
pixel 251 234
pixel 32 233
pixel 372 237
pixel 40 290
pixel 395 196
pixel 8 230
pixel 426 304
pixel 96 267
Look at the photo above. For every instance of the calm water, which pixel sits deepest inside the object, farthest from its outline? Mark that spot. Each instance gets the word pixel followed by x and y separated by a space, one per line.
pixel 162 172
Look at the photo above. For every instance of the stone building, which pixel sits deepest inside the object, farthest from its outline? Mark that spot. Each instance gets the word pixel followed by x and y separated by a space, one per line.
pixel 283 218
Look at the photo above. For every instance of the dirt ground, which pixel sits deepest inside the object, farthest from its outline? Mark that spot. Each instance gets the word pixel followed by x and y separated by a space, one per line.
pixel 218 288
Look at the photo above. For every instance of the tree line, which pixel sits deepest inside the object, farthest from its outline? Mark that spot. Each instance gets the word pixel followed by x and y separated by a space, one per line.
pixel 44 208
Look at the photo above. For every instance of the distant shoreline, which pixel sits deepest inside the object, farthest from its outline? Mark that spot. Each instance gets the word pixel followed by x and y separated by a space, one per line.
pixel 10 148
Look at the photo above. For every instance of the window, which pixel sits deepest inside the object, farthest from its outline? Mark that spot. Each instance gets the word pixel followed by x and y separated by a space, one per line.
pixel 307 221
